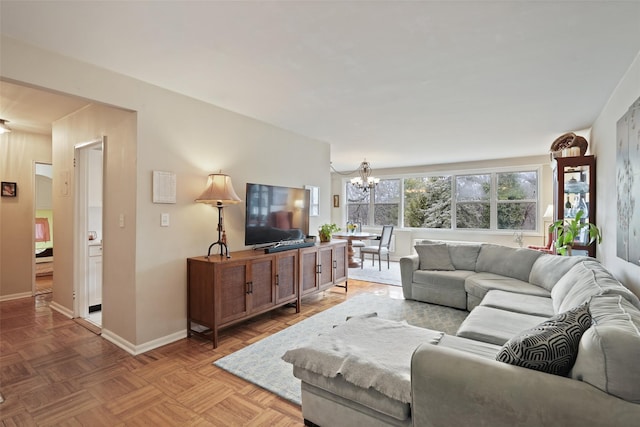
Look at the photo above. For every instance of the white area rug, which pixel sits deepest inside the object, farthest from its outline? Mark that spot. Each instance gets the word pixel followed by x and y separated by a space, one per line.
pixel 261 363
pixel 370 273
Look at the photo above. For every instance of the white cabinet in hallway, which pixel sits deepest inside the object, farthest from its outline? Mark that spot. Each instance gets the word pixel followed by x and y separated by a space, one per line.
pixel 95 277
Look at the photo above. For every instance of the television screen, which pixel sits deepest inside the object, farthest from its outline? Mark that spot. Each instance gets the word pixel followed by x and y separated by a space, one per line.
pixel 275 214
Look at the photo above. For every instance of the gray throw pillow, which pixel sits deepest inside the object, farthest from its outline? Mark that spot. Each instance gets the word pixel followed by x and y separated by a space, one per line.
pixel 434 257
pixel 550 347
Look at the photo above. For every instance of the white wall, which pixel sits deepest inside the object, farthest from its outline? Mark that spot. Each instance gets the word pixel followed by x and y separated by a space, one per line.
pixel 604 139
pixel 192 139
pixel 18 153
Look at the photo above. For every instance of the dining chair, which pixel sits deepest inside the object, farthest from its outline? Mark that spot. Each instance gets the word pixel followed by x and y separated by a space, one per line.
pixel 382 248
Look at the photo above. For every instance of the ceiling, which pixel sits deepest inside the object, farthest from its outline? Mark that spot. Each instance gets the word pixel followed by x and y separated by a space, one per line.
pixel 400 83
pixel 33 110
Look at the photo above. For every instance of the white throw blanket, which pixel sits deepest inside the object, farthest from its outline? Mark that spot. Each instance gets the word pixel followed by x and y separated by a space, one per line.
pixel 367 352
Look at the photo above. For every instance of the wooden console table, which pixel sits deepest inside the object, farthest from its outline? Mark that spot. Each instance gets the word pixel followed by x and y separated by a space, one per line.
pixel 224 291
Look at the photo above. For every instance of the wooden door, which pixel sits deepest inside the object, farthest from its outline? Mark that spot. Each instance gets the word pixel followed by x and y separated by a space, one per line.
pixel 286 276
pixel 261 284
pixel 326 271
pixel 340 269
pixel 308 270
pixel 231 291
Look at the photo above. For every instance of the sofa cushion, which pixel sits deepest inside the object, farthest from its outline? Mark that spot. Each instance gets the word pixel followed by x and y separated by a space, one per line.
pixel 454 279
pixel 495 326
pixel 505 261
pixel 480 283
pixel 464 255
pixel 551 346
pixel 368 397
pixel 549 269
pixel 440 287
pixel 479 348
pixel 519 303
pixel 584 280
pixel 609 352
pixel 434 256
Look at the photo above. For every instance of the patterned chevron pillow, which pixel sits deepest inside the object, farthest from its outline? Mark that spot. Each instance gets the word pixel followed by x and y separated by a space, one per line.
pixel 550 347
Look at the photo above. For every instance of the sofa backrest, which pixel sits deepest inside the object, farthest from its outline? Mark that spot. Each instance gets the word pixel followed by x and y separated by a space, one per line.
pixel 463 254
pixel 506 261
pixel 584 280
pixel 549 269
pixel 609 350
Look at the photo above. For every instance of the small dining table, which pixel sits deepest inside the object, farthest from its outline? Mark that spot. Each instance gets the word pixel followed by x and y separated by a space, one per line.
pixel 350 237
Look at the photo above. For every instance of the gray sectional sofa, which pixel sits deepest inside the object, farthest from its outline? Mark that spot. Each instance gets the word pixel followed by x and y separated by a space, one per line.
pixel 530 313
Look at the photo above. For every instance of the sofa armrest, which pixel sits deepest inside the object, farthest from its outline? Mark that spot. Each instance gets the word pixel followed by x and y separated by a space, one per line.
pixel 408 264
pixel 454 388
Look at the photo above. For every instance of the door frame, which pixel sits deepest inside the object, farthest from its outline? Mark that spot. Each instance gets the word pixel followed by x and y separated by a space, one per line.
pixel 80 238
pixel 33 227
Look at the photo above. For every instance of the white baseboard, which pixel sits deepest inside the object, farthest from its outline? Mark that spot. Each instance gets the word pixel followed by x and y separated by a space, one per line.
pixel 16 296
pixel 167 339
pixel 119 341
pixel 61 309
pixel 142 348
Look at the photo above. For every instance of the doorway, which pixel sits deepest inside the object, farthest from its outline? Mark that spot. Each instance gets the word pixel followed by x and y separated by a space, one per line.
pixel 88 237
pixel 43 229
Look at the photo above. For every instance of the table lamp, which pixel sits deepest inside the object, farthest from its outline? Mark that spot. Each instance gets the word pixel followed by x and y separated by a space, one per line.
pixel 219 193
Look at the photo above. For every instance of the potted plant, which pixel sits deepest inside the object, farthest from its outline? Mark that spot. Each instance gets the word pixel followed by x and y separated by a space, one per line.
pixel 568 230
pixel 326 230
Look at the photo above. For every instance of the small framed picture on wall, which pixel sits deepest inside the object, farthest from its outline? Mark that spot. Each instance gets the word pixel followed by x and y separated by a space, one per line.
pixel 9 189
pixel 336 201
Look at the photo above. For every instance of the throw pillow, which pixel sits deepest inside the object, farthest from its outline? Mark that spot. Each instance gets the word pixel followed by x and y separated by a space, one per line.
pixel 550 347
pixel 434 257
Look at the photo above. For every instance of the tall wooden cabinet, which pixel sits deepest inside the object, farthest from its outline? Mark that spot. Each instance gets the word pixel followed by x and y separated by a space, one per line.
pixel 574 189
pixel 223 291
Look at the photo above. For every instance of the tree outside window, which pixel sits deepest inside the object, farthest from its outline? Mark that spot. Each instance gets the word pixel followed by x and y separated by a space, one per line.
pixel 517 196
pixel 427 202
pixel 473 201
pixel 357 204
pixel 386 206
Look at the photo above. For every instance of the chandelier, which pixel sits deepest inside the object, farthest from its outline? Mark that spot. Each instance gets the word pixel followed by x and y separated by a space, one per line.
pixel 365 181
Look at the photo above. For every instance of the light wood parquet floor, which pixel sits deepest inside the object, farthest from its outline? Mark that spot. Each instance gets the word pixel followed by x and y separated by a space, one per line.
pixel 44 284
pixel 55 372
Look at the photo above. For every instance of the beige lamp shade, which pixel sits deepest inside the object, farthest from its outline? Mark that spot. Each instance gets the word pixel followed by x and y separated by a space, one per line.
pixel 548 214
pixel 219 191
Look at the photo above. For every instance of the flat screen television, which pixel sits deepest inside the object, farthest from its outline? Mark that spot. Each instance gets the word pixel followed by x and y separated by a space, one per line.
pixel 275 214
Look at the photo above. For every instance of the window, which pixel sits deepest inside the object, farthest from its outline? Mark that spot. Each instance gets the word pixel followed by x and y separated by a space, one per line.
pixel 485 201
pixel 427 202
pixel 517 200
pixel 382 203
pixel 386 207
pixel 358 202
pixel 473 207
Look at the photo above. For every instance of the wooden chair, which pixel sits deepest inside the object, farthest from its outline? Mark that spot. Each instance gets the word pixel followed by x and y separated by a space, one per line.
pixel 546 249
pixel 381 249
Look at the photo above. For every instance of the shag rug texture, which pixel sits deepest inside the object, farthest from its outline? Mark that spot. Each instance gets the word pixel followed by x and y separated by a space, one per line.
pixel 261 363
